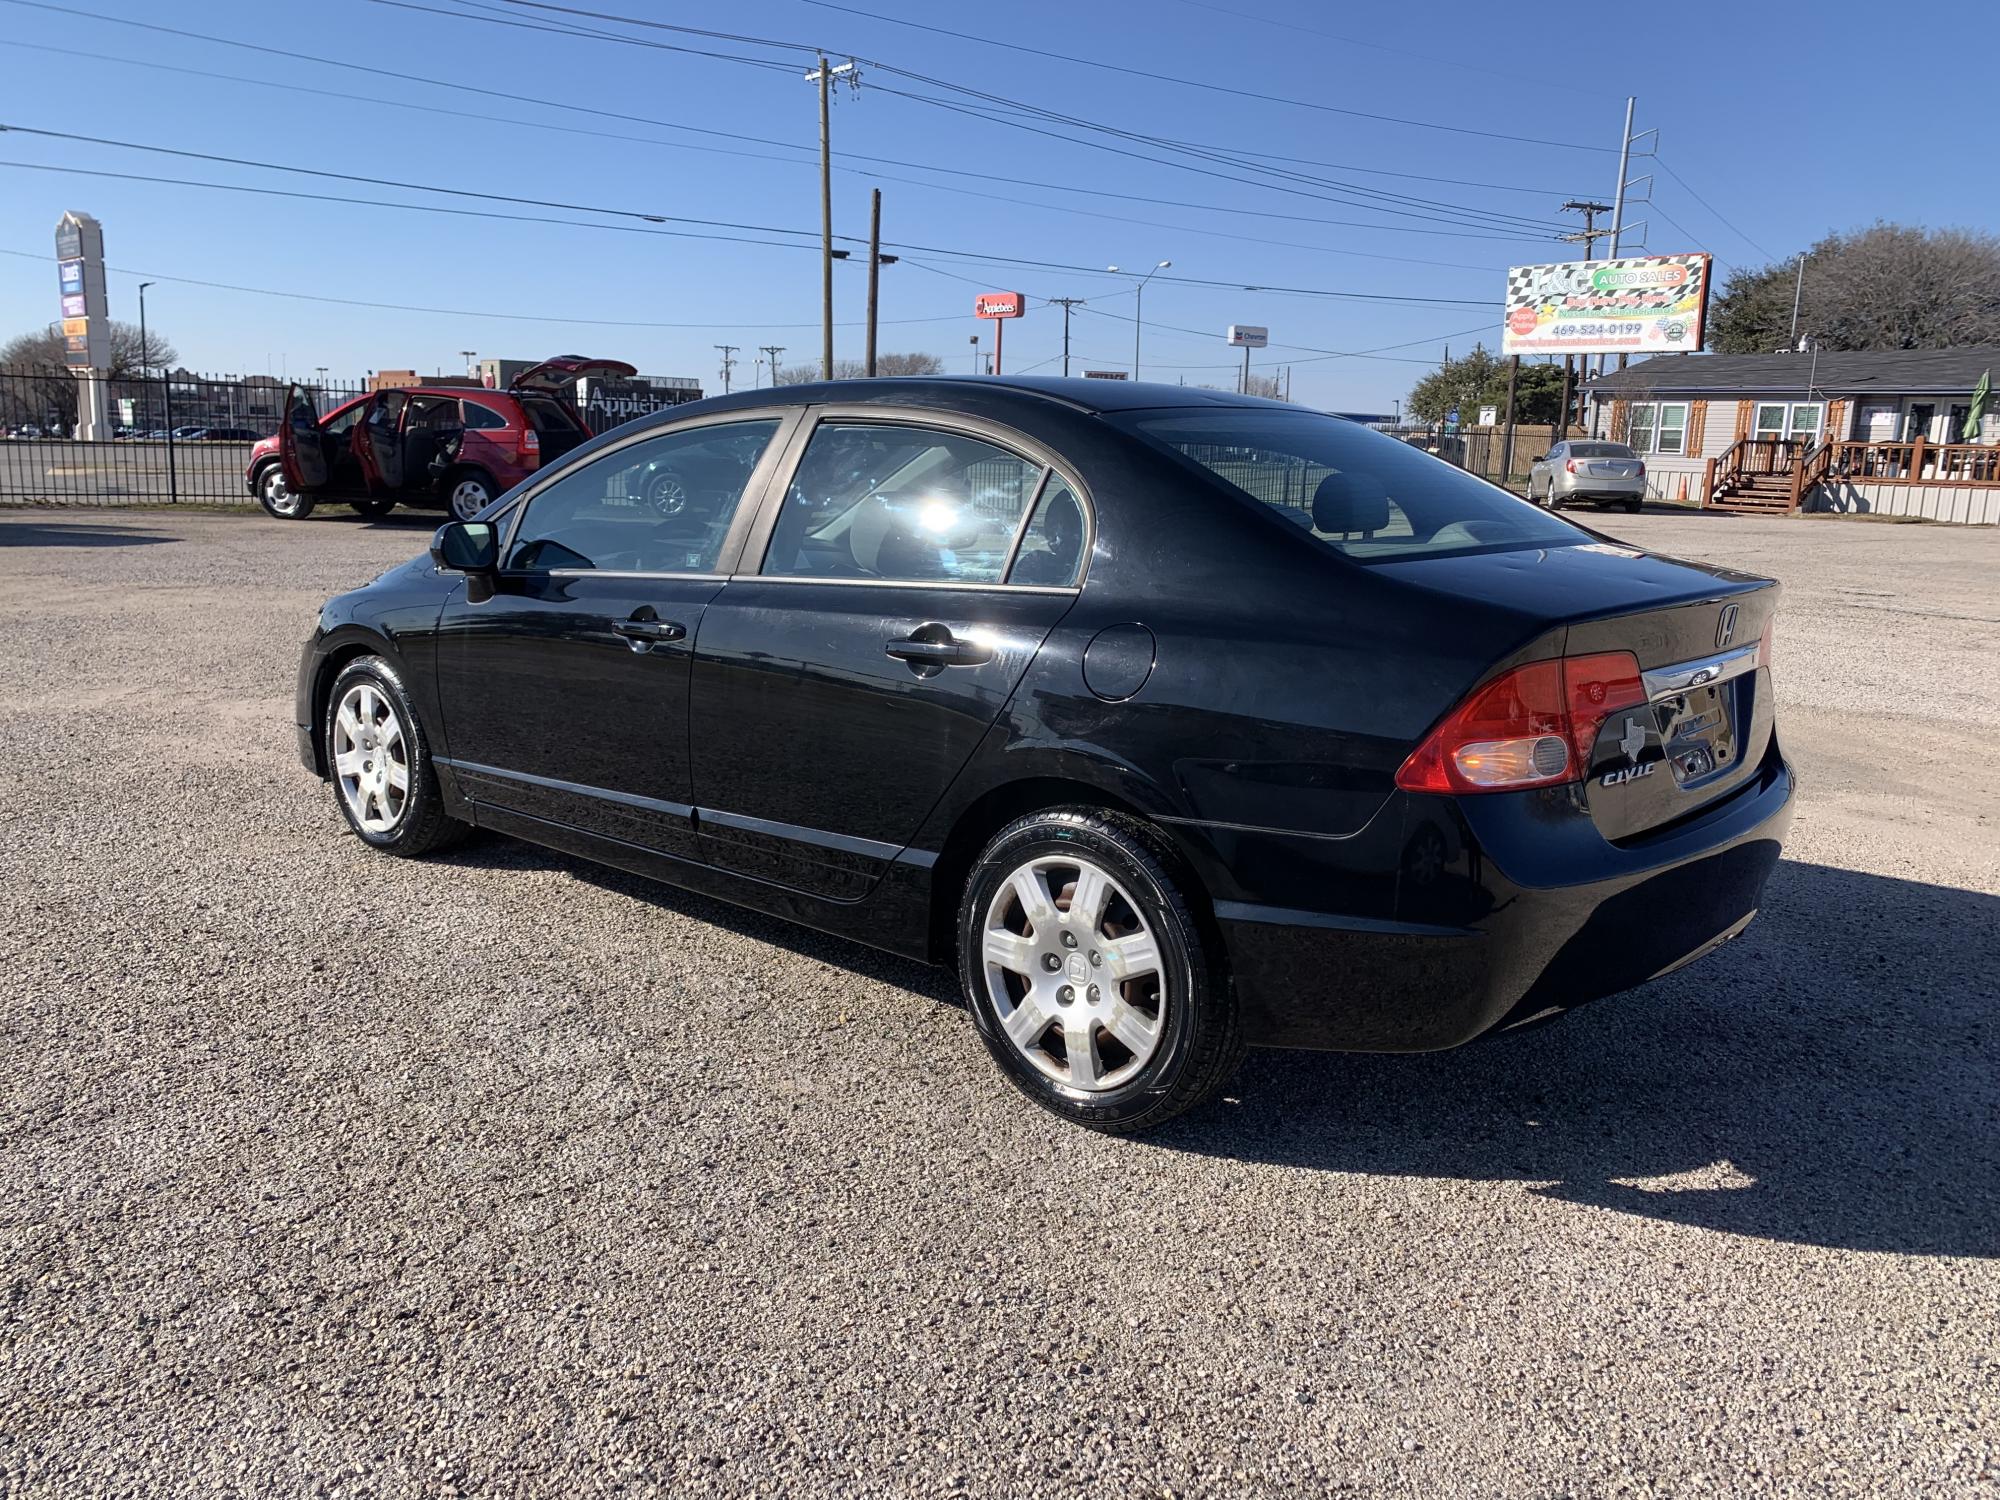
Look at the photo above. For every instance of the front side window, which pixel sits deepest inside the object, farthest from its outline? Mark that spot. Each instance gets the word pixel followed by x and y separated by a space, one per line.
pixel 1355 490
pixel 343 422
pixel 659 506
pixel 903 504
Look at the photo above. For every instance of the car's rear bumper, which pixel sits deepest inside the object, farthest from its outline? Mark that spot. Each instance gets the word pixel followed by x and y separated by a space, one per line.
pixel 1545 944
pixel 1603 489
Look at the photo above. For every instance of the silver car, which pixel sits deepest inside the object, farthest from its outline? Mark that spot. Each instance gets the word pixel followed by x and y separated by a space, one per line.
pixel 1591 473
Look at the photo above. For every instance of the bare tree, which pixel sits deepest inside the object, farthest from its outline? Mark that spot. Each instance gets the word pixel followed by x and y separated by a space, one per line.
pixel 44 349
pixel 1890 286
pixel 854 369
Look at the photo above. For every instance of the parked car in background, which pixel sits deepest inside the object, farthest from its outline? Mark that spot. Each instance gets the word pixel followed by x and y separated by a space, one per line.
pixel 1589 473
pixel 226 435
pixel 459 447
pixel 1173 721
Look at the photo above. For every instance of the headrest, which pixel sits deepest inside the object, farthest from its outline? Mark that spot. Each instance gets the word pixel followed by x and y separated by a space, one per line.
pixel 1346 502
pixel 900 534
pixel 1063 524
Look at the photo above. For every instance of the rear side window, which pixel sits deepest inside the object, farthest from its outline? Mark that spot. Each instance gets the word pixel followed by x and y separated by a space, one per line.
pixel 545 415
pixel 1600 450
pixel 1360 492
pixel 480 418
pixel 901 504
pixel 659 506
pixel 1051 554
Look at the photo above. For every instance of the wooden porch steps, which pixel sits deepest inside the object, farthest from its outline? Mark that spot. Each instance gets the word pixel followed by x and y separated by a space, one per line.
pixel 1762 493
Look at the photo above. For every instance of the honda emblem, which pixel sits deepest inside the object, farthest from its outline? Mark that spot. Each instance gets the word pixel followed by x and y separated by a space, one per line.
pixel 1725 627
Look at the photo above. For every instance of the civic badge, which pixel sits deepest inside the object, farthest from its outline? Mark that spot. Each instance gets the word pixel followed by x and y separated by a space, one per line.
pixel 1725 626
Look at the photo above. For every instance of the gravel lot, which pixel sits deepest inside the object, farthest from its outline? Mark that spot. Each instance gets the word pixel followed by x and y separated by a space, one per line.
pixel 327 1174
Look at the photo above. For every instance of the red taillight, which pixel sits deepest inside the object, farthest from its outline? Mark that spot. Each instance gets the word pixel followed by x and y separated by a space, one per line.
pixel 1533 726
pixel 531 442
pixel 1642 471
pixel 1570 464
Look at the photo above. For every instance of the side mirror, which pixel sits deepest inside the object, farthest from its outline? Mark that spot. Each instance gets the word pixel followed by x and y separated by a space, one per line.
pixel 466 547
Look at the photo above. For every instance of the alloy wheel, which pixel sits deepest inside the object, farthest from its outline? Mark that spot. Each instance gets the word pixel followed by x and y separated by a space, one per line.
pixel 371 758
pixel 468 498
pixel 1074 973
pixel 667 494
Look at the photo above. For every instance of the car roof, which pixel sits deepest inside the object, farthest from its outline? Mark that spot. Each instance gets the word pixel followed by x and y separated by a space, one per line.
pixel 994 390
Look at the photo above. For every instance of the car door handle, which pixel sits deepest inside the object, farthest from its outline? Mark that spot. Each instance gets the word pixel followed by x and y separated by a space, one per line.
pixel 650 631
pixel 934 646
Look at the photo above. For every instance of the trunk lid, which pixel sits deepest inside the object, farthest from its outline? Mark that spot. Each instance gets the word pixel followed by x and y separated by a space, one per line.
pixel 565 370
pixel 1695 631
pixel 1612 468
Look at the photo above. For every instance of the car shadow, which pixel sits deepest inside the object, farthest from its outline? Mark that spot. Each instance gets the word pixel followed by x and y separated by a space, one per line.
pixel 60 534
pixel 1829 1078
pixel 488 851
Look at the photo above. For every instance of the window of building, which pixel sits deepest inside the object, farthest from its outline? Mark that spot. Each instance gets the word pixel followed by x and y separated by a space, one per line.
pixel 897 503
pixel 659 506
pixel 1658 427
pixel 1796 420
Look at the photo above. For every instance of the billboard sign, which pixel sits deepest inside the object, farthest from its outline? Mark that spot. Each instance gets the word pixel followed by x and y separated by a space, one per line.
pixel 998 305
pixel 1107 375
pixel 1654 304
pixel 1248 336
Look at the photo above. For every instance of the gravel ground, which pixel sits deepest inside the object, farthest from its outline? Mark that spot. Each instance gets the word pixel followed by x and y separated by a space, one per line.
pixel 327 1174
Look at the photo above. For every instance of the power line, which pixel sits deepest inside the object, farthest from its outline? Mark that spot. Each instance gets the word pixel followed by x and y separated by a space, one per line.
pixel 458 312
pixel 660 219
pixel 1053 116
pixel 1661 162
pixel 434 81
pixel 990 42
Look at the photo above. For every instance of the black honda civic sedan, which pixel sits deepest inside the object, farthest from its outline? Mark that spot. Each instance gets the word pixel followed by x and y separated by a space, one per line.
pixel 1176 722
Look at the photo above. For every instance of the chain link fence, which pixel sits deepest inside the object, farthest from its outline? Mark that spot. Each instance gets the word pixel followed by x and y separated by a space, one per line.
pixel 170 437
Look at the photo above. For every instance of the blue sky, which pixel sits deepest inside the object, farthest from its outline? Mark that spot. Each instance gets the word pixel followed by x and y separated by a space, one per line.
pixel 1764 157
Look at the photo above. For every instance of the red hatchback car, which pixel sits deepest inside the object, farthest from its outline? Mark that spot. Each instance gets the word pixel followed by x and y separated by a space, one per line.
pixel 459 447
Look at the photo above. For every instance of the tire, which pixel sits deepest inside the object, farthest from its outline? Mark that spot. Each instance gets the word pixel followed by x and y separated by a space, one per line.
pixel 467 492
pixel 375 507
pixel 369 717
pixel 1633 507
pixel 277 497
pixel 1119 1056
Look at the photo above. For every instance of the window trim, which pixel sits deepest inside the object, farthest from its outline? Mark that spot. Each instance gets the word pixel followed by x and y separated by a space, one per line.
pixel 749 509
pixel 846 414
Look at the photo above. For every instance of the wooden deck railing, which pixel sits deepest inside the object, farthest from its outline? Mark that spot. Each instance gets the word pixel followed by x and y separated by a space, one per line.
pixel 1918 461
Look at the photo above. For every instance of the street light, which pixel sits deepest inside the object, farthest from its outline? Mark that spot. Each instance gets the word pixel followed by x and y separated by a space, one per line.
pixel 1139 308
pixel 468 353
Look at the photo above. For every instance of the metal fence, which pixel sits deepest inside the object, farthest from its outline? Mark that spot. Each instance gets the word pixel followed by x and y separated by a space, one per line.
pixel 172 437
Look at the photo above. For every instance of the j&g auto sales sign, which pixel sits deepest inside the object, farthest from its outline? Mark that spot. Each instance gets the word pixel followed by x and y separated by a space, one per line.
pixel 1655 304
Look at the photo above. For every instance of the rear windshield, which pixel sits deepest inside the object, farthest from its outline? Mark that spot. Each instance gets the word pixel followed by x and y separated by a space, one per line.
pixel 547 415
pixel 1364 494
pixel 1600 450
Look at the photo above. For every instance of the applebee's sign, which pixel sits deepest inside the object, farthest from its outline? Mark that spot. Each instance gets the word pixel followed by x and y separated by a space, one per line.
pixel 997 305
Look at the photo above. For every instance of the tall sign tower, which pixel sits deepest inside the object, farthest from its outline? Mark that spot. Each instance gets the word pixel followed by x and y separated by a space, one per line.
pixel 86 320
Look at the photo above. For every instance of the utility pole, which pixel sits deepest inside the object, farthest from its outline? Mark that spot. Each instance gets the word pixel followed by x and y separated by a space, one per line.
pixel 823 75
pixel 874 271
pixel 728 364
pixel 1588 238
pixel 1618 198
pixel 774 350
pixel 1798 291
pixel 1066 303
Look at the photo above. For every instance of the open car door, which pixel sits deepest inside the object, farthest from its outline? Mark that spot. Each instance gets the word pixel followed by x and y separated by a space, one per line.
pixel 557 375
pixel 301 445
pixel 378 442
